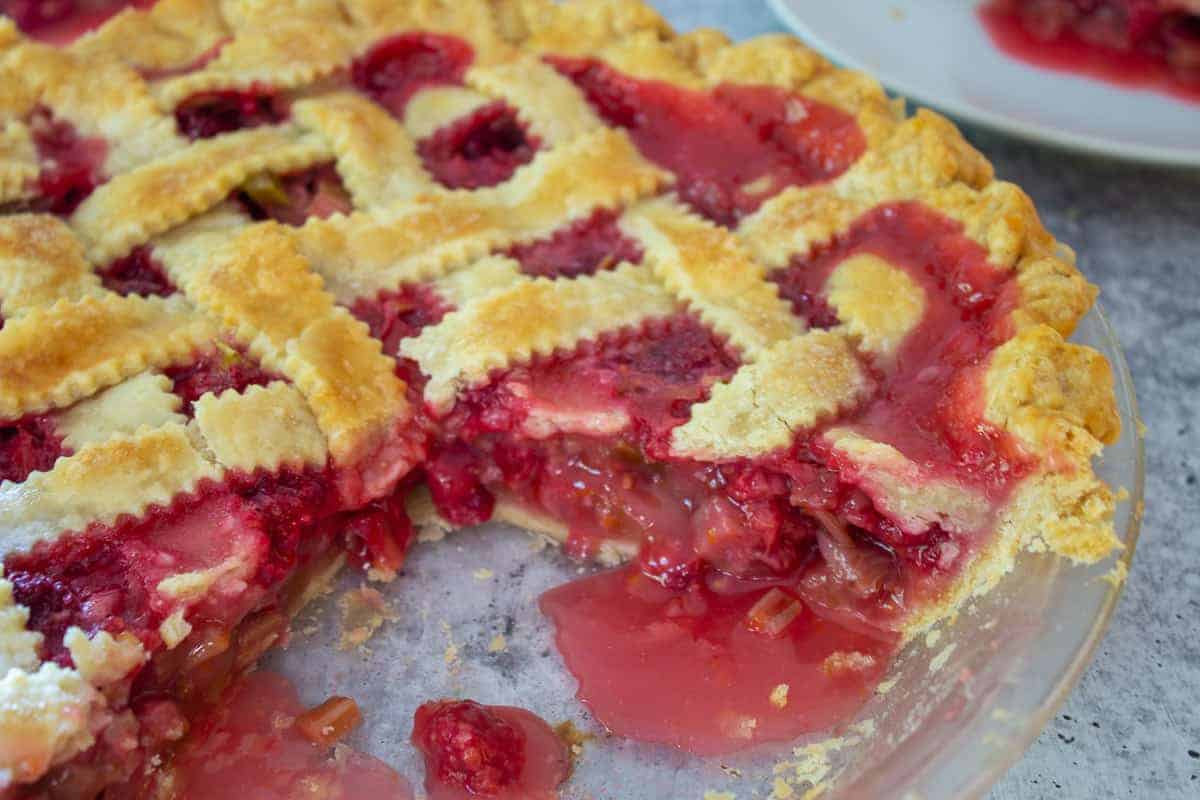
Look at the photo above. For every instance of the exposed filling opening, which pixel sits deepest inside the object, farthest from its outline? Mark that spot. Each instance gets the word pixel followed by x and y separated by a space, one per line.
pixel 60 22
pixel 294 197
pixel 395 69
pixel 226 366
pixel 775 571
pixel 731 148
pixel 482 149
pixel 137 273
pixel 71 166
pixel 584 248
pixel 786 559
pixel 29 444
pixel 209 114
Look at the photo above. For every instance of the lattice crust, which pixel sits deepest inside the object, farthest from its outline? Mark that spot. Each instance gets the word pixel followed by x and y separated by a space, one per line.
pixel 136 205
pixel 18 646
pixel 905 490
pixel 170 35
pixel 41 261
pixel 714 274
pixel 545 101
pixel 363 254
pixel 55 355
pixel 144 399
pixel 124 474
pixel 18 158
pixel 531 317
pixel 264 428
pixel 280 44
pixel 90 357
pixel 262 289
pixel 376 157
pixel 879 304
pixel 790 387
pixel 105 99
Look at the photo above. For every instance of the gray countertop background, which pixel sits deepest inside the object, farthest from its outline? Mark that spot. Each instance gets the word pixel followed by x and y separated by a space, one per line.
pixel 1131 728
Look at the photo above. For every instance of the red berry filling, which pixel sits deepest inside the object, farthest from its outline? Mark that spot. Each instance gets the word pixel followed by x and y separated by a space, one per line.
pixel 483 149
pixel 583 248
pixel 246 748
pixel 209 114
pixel 396 68
pixel 379 535
pixel 454 482
pixel 136 273
pixel 107 577
pixel 714 668
pixel 468 746
pixel 921 408
pixel 1126 42
pixel 70 164
pixel 226 367
pixel 393 316
pixel 296 513
pixel 60 22
pixel 277 532
pixel 30 444
pixel 293 198
pixel 644 384
pixel 731 148
pixel 584 439
pixel 472 750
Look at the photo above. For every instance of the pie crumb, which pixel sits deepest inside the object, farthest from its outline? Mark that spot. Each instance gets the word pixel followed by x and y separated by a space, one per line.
pixel 1117 575
pixel 573 737
pixel 363 613
pixel 498 644
pixel 812 766
pixel 941 658
pixel 483 574
pixel 431 534
pixel 843 662
pixel 888 685
pixel 779 696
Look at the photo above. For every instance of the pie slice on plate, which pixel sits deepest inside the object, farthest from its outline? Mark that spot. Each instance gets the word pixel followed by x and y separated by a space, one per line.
pixel 1162 31
pixel 280 279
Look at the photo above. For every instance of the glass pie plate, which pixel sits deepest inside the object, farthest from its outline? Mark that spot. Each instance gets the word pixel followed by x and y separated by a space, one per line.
pixel 961 707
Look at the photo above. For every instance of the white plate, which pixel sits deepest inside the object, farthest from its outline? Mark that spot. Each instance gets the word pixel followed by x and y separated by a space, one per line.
pixel 937 52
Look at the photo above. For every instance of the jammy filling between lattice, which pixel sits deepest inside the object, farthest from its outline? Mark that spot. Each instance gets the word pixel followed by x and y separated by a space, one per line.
pixel 772 344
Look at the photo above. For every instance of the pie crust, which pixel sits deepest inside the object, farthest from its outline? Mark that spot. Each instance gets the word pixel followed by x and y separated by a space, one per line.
pixel 331 414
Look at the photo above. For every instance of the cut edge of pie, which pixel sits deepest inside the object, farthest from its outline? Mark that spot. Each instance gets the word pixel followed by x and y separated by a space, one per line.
pixel 299 413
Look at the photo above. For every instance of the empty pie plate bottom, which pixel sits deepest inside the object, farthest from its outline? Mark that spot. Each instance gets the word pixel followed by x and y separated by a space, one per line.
pixel 961 704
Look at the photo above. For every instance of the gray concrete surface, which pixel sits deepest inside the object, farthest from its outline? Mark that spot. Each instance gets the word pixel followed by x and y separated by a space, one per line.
pixel 1132 726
